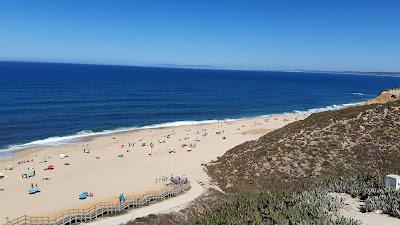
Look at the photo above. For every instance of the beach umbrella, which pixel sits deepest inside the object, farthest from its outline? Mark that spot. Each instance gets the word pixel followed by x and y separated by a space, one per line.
pixel 62 156
pixel 2 175
pixel 50 167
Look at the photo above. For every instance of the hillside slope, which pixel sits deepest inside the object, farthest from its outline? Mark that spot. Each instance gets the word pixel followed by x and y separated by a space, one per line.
pixel 332 143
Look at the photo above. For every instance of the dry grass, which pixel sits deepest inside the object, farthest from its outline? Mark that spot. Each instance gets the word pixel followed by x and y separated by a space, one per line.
pixel 301 154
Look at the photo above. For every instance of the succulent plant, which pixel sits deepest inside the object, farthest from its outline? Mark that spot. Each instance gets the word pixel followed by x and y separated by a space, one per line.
pixel 370 188
pixel 313 206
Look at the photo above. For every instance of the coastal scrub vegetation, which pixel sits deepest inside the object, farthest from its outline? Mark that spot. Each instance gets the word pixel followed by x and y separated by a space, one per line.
pixel 313 206
pixel 370 189
pixel 309 207
pixel 304 153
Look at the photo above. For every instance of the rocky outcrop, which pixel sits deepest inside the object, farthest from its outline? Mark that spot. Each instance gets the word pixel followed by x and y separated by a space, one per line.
pixel 386 96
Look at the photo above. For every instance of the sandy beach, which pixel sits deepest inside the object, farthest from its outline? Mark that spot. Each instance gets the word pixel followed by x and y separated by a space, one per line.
pixel 131 163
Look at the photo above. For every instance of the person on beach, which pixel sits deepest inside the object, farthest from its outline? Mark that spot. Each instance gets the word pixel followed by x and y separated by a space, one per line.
pixel 121 198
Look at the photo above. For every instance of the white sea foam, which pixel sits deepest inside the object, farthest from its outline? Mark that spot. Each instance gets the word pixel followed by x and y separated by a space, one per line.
pixel 360 94
pixel 62 140
pixel 332 107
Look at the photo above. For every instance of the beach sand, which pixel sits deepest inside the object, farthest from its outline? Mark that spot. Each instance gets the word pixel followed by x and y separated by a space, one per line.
pixel 157 153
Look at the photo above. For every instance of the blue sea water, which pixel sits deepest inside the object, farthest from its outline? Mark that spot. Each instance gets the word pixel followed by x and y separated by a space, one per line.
pixel 50 104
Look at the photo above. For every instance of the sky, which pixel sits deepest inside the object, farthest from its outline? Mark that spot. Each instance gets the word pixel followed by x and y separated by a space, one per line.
pixel 358 35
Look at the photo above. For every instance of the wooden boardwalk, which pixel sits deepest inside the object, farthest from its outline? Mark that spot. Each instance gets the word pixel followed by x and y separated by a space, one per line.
pixel 99 210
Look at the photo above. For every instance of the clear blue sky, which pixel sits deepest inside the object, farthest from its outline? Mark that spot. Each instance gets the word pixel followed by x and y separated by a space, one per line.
pixel 323 35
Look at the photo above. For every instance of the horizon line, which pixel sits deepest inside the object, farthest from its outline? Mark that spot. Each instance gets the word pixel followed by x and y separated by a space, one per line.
pixel 211 67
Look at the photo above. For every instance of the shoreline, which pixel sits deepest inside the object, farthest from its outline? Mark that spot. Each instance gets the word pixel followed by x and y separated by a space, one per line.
pixel 87 135
pixel 20 153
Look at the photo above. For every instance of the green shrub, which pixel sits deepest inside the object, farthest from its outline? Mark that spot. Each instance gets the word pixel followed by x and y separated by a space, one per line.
pixel 309 207
pixel 386 200
pixel 370 188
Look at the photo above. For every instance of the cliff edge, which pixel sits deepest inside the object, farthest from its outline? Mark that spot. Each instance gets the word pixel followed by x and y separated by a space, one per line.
pixel 386 96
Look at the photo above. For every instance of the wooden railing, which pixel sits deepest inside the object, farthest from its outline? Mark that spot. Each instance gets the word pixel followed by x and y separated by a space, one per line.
pixel 76 216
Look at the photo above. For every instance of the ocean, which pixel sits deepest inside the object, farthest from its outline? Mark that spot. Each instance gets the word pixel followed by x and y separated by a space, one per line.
pixel 46 104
